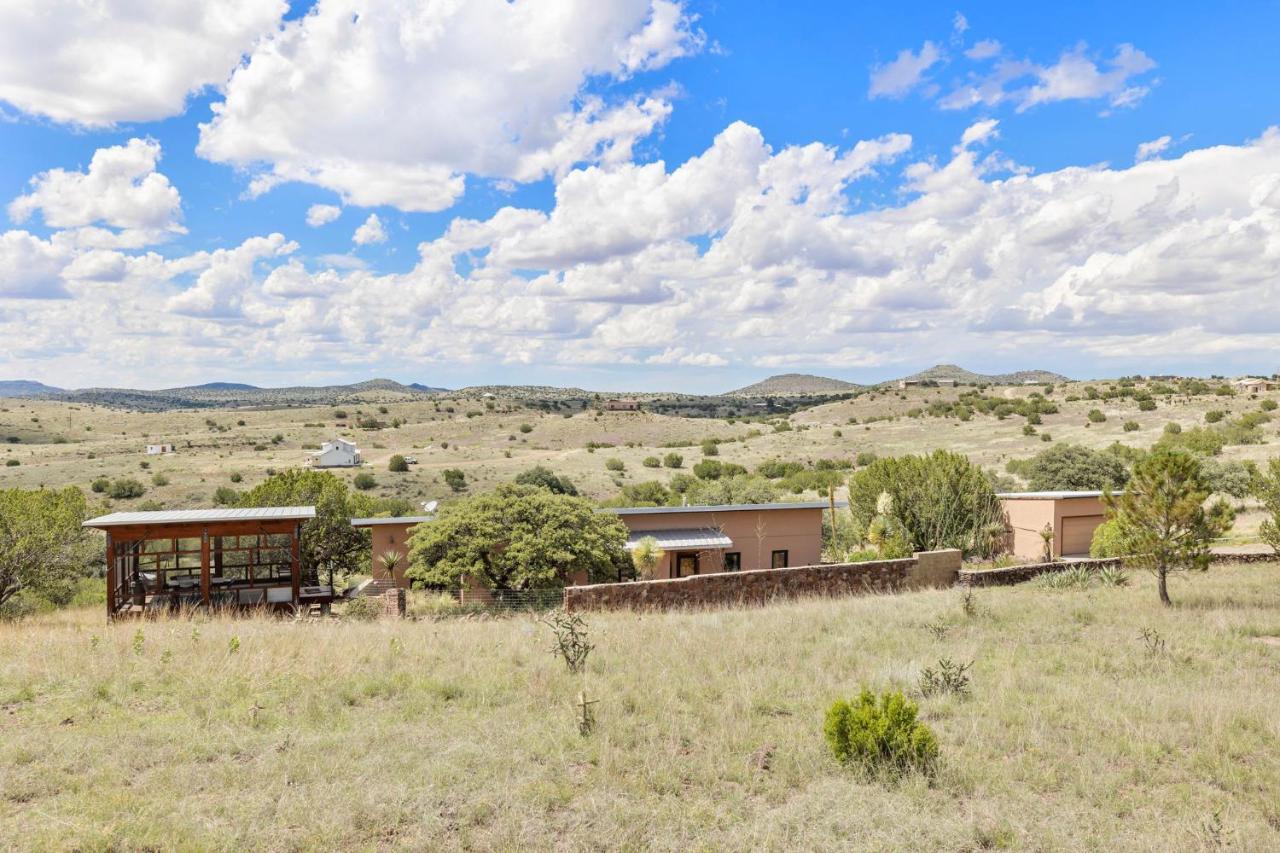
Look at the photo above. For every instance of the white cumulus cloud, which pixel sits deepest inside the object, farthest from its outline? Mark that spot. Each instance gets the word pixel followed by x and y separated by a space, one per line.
pixel 107 61
pixel 396 103
pixel 322 214
pixel 371 231
pixel 120 190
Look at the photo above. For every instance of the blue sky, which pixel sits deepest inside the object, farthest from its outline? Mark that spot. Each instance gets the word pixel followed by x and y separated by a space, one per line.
pixel 1014 232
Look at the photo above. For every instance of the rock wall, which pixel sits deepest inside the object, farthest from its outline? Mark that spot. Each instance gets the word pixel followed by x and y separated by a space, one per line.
pixel 721 589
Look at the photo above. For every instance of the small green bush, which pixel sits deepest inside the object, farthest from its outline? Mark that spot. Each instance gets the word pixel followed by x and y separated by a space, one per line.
pixel 226 496
pixel 126 489
pixel 651 462
pixel 710 447
pixel 159 480
pixel 362 609
pixel 673 460
pixel 398 464
pixel 613 463
pixel 100 485
pixel 364 481
pixel 1107 541
pixel 526 428
pixel 1147 405
pixel 881 736
pixel 12 463
pixel 1132 426
pixel 1214 415
pixel 1268 405
pixel 1096 416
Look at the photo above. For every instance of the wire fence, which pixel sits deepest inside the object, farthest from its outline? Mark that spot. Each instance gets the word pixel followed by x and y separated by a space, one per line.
pixel 510 600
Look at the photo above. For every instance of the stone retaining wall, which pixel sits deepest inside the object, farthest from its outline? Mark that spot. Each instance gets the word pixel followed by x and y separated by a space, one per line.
pixel 760 586
pixel 1019 574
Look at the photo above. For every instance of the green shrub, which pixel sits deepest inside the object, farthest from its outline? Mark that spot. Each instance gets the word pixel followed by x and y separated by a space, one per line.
pixel 1172 428
pixel 226 496
pixel 710 447
pixel 454 478
pixel 613 463
pixel 543 477
pixel 1214 415
pixel 364 481
pixel 159 480
pixel 362 609
pixel 100 485
pixel 1132 426
pixel 12 463
pixel 1028 429
pixel 1268 405
pixel 708 469
pixel 673 460
pixel 881 737
pixel 236 477
pixel 398 464
pixel 526 428
pixel 1108 541
pixel 1096 416
pixel 1070 467
pixel 651 462
pixel 865 458
pixel 126 489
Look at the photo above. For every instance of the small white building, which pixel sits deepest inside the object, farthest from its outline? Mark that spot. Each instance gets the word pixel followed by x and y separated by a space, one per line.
pixel 338 453
pixel 157 449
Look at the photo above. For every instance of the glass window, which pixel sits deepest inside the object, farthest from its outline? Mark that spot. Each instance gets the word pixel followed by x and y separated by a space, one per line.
pixel 733 561
pixel 779 560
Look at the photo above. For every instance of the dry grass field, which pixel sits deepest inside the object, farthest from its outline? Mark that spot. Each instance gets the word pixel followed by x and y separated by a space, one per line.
pixel 62 444
pixel 461 734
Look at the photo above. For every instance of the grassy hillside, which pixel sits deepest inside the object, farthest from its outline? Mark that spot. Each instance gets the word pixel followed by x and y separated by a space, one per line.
pixel 261 734
pixel 958 374
pixel 795 384
pixel 56 443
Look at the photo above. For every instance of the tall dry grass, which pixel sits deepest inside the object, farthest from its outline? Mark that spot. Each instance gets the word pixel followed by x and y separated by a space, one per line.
pixel 243 734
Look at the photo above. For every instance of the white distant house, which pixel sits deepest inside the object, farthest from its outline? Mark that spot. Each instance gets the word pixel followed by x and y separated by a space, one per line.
pixel 338 453
pixel 157 449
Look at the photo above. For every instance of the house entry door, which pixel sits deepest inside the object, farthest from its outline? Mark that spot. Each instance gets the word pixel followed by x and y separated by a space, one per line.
pixel 686 564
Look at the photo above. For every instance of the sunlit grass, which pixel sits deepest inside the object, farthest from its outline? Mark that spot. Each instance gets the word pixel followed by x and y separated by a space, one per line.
pixel 462 733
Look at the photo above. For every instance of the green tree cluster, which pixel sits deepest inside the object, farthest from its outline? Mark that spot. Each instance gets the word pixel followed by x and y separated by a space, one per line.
pixel 517 537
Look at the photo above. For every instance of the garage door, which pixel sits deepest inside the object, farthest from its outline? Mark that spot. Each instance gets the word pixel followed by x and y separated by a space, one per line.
pixel 1077 534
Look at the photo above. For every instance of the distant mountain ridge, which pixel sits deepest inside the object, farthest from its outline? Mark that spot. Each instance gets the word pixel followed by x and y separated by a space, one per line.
pixel 214 394
pixel 961 376
pixel 794 385
pixel 26 388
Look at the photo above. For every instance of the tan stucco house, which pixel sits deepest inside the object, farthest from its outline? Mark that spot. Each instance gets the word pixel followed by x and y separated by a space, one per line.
pixel 391 535
pixel 733 537
pixel 1072 516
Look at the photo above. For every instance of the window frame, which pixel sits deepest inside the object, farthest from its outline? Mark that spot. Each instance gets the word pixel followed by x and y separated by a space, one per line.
pixel 786 559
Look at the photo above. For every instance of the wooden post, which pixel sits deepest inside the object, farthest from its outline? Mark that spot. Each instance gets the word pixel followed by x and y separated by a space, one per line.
pixel 112 577
pixel 295 565
pixel 204 566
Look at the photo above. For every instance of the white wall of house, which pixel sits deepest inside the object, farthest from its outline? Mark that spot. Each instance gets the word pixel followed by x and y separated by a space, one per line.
pixel 336 454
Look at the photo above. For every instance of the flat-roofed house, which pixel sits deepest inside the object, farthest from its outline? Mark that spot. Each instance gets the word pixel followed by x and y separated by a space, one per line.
pixel 625 404
pixel 1071 516
pixel 338 453
pixel 727 538
pixel 391 536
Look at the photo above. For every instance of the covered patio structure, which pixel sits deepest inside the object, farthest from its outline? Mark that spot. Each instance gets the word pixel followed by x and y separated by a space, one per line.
pixel 157 561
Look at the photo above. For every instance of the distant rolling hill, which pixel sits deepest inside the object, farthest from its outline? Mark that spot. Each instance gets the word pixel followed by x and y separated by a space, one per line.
pixel 961 376
pixel 215 395
pixel 794 385
pixel 26 388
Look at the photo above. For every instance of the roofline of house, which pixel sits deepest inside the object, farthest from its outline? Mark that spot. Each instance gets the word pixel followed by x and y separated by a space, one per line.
pixel 648 510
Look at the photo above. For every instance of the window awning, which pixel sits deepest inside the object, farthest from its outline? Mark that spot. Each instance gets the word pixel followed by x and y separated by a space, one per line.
pixel 682 538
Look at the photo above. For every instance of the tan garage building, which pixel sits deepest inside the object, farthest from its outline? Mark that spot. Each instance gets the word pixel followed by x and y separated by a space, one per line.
pixel 1072 516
